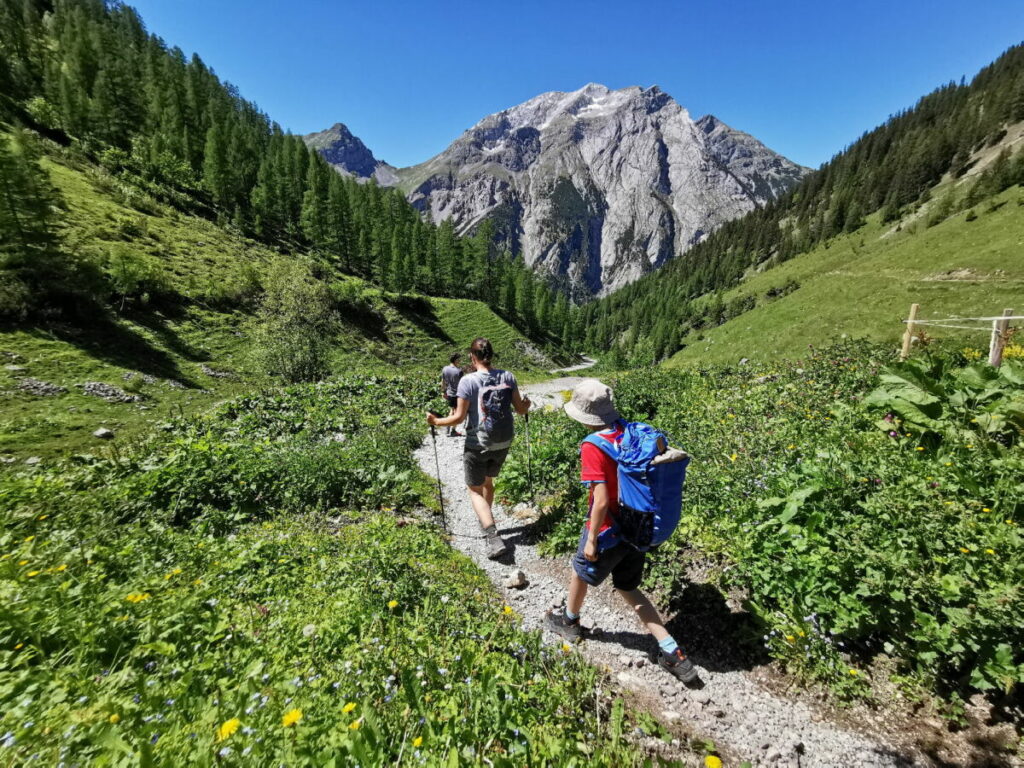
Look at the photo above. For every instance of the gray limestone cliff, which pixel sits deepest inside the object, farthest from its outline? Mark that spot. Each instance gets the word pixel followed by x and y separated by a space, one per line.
pixel 596 187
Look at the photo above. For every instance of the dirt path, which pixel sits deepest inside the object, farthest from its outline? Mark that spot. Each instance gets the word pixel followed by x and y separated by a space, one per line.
pixel 738 713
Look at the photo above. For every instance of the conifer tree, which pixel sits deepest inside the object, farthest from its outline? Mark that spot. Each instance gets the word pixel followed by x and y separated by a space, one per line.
pixel 30 258
pixel 315 217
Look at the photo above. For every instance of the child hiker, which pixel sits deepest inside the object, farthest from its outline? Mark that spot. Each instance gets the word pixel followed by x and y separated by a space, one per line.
pixel 592 405
pixel 488 396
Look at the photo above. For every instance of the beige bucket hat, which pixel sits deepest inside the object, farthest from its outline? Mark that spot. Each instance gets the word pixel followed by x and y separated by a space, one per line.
pixel 592 403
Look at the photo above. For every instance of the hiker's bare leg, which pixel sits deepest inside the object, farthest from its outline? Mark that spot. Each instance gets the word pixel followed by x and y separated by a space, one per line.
pixel 482 507
pixel 489 491
pixel 577 594
pixel 646 612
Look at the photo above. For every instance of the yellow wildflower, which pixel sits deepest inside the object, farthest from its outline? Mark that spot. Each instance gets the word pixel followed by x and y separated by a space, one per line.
pixel 985 509
pixel 732 457
pixel 566 648
pixel 854 673
pixel 227 728
pixel 349 707
pixel 42 517
pixel 712 761
pixel 417 742
pixel 1009 522
pixel 291 718
pixel 965 550
pixel 19 646
pixel 790 638
pixel 393 604
pixel 29 538
pixel 32 573
pixel 355 724
pixel 174 573
pixel 137 597
pixel 990 551
pixel 23 562
pixel 507 610
pixel 115 718
pixel 61 567
pixel 920 448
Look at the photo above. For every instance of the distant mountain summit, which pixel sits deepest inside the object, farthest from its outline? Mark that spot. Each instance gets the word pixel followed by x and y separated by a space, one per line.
pixel 347 154
pixel 595 187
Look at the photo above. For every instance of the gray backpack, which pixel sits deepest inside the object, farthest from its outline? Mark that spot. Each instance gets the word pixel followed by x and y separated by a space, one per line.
pixel 494 406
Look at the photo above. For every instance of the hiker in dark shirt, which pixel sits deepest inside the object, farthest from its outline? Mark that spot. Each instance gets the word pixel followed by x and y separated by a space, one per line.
pixel 450 376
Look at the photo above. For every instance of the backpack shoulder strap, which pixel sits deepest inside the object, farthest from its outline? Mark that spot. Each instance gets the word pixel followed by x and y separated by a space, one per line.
pixel 609 447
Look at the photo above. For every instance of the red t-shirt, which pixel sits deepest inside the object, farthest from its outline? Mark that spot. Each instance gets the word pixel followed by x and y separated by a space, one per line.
pixel 598 467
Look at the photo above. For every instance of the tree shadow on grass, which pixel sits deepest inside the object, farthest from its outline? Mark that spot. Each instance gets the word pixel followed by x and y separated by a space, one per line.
pixel 418 311
pixel 104 339
pixel 363 317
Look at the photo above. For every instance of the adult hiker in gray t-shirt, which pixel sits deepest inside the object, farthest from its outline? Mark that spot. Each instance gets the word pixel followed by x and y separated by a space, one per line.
pixel 451 374
pixel 488 397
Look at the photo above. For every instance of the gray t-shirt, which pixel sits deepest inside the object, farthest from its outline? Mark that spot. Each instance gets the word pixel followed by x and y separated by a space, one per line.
pixel 469 389
pixel 450 376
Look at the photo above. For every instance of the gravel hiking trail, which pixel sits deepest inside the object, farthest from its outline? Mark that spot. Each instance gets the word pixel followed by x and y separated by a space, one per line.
pixel 733 705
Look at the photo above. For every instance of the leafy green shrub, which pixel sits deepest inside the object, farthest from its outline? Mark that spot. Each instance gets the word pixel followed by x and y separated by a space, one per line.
pixel 295 323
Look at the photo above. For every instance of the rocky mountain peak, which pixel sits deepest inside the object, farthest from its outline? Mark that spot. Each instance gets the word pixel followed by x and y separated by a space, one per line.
pixel 349 155
pixel 596 186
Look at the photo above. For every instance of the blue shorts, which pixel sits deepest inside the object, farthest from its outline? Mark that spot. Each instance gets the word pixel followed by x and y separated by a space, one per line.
pixel 623 562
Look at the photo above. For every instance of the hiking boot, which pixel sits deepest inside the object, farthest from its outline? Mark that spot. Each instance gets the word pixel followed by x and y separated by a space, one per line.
pixel 496 547
pixel 454 433
pixel 563 627
pixel 678 665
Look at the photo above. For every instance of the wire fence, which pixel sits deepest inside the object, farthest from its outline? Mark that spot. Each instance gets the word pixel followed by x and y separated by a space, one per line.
pixel 997 326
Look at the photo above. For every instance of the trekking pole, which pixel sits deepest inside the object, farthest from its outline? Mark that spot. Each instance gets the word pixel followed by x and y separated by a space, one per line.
pixel 529 460
pixel 437 466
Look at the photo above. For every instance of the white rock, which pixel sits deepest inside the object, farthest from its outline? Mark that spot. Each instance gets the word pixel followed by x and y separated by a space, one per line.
pixel 104 434
pixel 516 579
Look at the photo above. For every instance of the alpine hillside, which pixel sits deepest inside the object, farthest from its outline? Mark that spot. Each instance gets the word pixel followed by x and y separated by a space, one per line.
pixel 597 187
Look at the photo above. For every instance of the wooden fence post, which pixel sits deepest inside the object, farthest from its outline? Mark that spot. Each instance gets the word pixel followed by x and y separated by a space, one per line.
pixel 998 341
pixel 908 335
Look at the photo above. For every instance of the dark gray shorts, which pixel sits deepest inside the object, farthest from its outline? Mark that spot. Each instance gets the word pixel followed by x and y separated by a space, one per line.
pixel 623 562
pixel 480 465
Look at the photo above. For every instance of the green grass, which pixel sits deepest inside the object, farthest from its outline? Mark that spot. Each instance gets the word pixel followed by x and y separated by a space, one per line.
pixel 240 590
pixel 213 268
pixel 861 285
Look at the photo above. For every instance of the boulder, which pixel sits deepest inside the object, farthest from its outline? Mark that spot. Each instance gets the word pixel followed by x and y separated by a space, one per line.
pixel 516 579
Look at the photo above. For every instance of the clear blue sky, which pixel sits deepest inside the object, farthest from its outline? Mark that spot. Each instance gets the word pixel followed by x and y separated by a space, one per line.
pixel 807 78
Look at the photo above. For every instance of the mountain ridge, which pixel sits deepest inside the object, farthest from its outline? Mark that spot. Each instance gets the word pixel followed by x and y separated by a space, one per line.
pixel 596 187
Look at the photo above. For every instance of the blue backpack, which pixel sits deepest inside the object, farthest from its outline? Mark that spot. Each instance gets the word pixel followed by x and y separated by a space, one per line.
pixel 651 477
